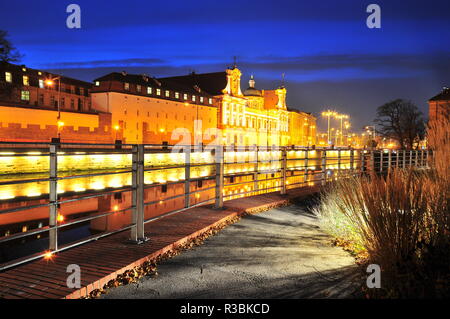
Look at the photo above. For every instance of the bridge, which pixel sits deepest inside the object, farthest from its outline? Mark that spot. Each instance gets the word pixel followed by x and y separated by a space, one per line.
pixel 111 207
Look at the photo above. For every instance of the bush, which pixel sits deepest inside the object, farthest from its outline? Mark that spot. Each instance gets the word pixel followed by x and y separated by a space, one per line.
pixel 401 221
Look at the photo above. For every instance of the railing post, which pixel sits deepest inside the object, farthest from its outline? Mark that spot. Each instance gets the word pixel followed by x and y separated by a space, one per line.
pixel 362 161
pixel 339 162
pixel 305 164
pixel 416 160
pixel 422 152
pixel 255 172
pixel 324 167
pixel 53 198
pixel 352 161
pixel 404 159
pixel 137 197
pixel 410 158
pixel 389 160
pixel 397 158
pixel 381 161
pixel 372 161
pixel 187 176
pixel 283 169
pixel 219 177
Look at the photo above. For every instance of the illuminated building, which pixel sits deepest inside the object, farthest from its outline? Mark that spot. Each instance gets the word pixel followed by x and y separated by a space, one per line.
pixel 439 105
pixel 251 117
pixel 29 108
pixel 149 110
pixel 20 85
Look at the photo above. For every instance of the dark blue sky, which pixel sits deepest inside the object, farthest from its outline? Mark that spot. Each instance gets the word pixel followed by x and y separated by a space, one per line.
pixel 328 54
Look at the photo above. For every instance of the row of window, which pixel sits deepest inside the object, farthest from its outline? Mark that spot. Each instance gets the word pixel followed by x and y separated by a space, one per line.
pixel 25 97
pixel 42 85
pixel 167 93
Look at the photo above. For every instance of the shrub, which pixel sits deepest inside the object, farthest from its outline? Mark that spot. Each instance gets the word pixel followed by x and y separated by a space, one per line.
pixel 401 221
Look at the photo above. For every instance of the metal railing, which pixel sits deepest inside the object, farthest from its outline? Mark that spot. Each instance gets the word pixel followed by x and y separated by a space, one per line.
pixel 231 172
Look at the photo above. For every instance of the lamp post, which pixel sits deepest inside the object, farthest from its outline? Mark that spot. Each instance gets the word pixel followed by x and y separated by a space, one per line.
pixel 328 114
pixel 51 82
pixel 341 117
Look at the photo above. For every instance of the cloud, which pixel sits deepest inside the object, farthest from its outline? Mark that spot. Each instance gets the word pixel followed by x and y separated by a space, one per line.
pixel 136 62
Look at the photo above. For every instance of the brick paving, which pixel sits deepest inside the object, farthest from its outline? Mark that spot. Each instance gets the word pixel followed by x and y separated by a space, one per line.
pixel 104 259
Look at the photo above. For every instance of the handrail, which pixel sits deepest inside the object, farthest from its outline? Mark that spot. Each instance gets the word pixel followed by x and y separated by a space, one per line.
pixel 269 170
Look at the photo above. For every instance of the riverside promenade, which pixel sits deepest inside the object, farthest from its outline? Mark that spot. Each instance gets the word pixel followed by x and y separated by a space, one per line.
pixel 103 260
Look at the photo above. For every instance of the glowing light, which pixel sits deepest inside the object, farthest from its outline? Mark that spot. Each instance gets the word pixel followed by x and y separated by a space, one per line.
pixel 6 195
pixel 116 127
pixel 60 123
pixel 49 82
pixel 60 218
pixel 48 255
pixel 34 153
pixel 116 208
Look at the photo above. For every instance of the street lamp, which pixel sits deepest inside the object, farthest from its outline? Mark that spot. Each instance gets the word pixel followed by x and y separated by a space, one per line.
pixel 341 117
pixel 371 130
pixel 328 114
pixel 51 82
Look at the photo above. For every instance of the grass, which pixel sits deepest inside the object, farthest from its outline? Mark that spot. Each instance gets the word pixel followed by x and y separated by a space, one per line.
pixel 400 221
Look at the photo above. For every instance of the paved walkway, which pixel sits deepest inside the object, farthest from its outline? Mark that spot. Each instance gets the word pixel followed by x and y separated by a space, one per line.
pixel 280 253
pixel 103 260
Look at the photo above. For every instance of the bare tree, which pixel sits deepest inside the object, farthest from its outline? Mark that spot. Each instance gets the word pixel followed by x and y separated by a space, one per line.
pixel 402 121
pixel 8 53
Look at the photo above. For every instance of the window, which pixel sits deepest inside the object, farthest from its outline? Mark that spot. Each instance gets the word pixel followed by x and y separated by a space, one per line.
pixel 63 102
pixel 97 83
pixel 201 99
pixel 138 88
pixel 126 86
pixel 25 95
pixel 193 98
pixel 185 96
pixel 81 91
pixel 41 99
pixel 72 89
pixel 41 83
pixel 149 90
pixel 158 91
pixel 210 100
pixel 26 80
pixel 72 104
pixel 8 77
pixel 177 95
pixel 167 93
pixel 164 188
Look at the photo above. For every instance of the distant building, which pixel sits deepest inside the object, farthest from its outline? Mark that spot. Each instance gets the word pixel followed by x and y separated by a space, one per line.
pixel 29 107
pixel 149 110
pixel 439 105
pixel 142 109
pixel 20 85
pixel 252 116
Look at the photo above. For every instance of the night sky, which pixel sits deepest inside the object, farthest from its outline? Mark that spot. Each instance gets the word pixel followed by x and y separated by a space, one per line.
pixel 330 57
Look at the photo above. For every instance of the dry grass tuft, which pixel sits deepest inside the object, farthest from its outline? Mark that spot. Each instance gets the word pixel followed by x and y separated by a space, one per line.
pixel 401 222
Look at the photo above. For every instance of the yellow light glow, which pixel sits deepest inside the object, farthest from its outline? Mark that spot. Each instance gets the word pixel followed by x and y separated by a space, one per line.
pixel 116 127
pixel 60 123
pixel 49 82
pixel 60 218
pixel 48 255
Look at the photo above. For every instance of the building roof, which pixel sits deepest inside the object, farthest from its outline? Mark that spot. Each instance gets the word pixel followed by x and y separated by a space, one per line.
pixel 40 73
pixel 180 83
pixel 211 83
pixel 141 79
pixel 443 96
